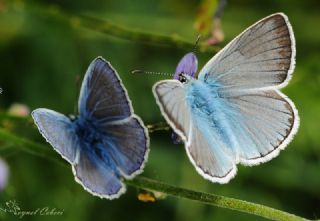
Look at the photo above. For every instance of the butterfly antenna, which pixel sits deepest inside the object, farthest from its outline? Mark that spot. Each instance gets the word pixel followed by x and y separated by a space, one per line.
pixel 196 44
pixel 75 106
pixel 150 73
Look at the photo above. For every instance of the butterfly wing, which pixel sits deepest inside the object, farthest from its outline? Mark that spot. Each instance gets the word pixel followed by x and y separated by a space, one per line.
pixel 261 56
pixel 170 96
pixel 103 97
pixel 249 71
pixel 264 123
pixel 210 156
pixel 104 100
pixel 127 144
pixel 207 153
pixel 98 178
pixel 122 152
pixel 58 130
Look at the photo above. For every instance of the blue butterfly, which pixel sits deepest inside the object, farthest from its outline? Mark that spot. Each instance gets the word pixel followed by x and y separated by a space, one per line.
pixel 107 141
pixel 234 112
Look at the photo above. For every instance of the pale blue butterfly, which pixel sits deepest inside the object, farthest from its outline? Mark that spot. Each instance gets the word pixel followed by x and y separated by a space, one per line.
pixel 234 112
pixel 107 141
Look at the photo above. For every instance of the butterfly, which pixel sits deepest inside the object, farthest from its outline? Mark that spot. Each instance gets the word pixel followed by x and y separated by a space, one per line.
pixel 106 142
pixel 233 112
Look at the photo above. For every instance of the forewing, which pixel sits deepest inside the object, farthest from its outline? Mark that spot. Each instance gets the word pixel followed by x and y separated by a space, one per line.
pixel 58 130
pixel 261 56
pixel 170 96
pixel 265 123
pixel 102 96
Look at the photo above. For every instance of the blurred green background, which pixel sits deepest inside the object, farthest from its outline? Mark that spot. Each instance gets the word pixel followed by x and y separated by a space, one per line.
pixel 41 57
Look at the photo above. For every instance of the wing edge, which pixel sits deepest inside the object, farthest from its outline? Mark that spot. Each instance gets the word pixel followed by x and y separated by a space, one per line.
pixel 163 113
pixel 33 113
pixel 214 179
pixel 116 195
pixel 284 143
pixel 146 153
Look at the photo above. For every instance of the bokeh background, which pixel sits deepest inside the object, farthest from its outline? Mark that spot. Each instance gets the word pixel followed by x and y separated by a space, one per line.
pixel 41 57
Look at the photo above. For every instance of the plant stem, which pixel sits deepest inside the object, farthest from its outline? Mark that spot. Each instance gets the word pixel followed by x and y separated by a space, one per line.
pixel 158 126
pixel 119 31
pixel 29 146
pixel 154 185
pixel 215 200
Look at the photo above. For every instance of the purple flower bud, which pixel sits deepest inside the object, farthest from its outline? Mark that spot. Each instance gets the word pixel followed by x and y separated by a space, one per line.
pixel 187 65
pixel 4 172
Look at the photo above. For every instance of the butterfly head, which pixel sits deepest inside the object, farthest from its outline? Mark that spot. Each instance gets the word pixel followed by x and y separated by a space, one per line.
pixel 186 68
pixel 73 117
pixel 184 78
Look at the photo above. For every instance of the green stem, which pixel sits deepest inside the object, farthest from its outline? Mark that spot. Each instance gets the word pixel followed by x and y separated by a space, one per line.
pixel 14 119
pixel 154 185
pixel 214 200
pixel 158 126
pixel 29 146
pixel 115 30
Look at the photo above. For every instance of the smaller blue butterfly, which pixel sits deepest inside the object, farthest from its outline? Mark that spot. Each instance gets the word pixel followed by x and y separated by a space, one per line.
pixel 107 141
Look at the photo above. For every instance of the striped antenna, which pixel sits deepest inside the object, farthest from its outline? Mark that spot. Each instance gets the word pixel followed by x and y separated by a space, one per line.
pixel 150 72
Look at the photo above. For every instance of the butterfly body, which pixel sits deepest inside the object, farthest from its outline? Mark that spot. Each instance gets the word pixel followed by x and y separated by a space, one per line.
pixel 87 131
pixel 210 111
pixel 93 143
pixel 233 111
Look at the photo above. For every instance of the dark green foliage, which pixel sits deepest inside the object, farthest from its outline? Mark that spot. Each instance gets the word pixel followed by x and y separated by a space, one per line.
pixel 43 50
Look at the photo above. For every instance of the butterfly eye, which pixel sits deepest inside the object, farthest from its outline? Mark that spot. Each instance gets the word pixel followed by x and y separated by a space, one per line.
pixel 182 78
